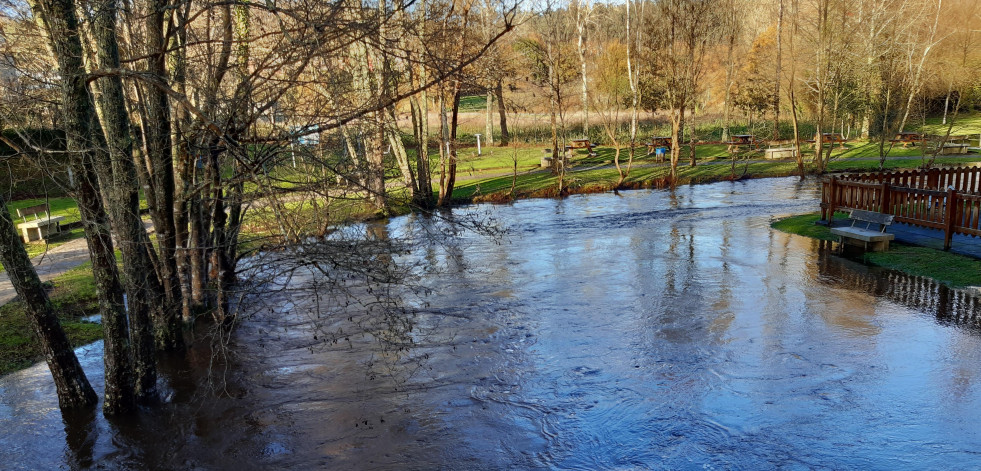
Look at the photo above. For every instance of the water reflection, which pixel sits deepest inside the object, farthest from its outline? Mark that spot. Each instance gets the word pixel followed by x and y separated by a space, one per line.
pixel 648 330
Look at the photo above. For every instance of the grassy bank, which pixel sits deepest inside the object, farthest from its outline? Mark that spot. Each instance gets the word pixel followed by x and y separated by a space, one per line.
pixel 73 297
pixel 483 181
pixel 956 271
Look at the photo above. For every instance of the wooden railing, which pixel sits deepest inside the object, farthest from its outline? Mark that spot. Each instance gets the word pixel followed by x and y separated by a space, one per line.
pixel 962 179
pixel 944 199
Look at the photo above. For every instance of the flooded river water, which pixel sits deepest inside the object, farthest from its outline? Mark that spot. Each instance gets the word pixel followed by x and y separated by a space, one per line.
pixel 649 330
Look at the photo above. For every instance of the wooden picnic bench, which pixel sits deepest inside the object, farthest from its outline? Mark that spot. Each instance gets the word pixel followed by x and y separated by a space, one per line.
pixel 658 141
pixel 908 138
pixel 40 228
pixel 582 144
pixel 829 138
pixel 742 140
pixel 862 237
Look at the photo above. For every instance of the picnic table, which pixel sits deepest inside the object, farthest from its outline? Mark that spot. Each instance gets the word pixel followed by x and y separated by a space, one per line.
pixel 41 227
pixel 581 144
pixel 658 141
pixel 742 140
pixel 829 138
pixel 908 138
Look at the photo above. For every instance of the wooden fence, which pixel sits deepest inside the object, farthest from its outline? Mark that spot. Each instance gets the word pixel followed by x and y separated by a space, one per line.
pixel 944 199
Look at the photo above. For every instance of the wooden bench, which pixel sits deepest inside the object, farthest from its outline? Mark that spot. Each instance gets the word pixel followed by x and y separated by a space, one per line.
pixel 829 138
pixel 908 138
pixel 862 237
pixel 40 228
pixel 742 140
pixel 582 144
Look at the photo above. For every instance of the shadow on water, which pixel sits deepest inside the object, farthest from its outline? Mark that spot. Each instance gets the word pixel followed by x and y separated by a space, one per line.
pixel 949 306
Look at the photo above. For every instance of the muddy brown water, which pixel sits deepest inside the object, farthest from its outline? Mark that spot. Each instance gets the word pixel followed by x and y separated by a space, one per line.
pixel 650 330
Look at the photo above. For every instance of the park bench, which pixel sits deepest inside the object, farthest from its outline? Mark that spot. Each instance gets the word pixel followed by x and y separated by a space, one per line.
pixel 863 237
pixel 954 144
pixel 780 153
pixel 39 228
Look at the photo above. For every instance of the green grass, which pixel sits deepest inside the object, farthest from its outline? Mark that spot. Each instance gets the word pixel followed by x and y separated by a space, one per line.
pixel 64 206
pixel 492 172
pixel 473 103
pixel 951 269
pixel 73 298
pixel 963 124
pixel 805 225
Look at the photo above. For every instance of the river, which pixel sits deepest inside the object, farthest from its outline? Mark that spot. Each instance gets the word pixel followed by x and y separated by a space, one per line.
pixel 646 330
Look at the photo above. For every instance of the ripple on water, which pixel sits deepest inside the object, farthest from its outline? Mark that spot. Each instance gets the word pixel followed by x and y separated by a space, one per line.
pixel 649 330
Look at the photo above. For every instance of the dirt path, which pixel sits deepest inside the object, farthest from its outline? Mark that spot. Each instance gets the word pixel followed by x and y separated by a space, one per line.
pixel 49 265
pixel 54 262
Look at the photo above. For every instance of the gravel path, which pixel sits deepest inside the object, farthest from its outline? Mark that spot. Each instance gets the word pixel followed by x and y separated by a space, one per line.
pixel 49 265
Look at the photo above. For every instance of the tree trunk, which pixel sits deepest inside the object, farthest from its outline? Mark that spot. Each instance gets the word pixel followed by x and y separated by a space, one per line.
pixel 444 147
pixel 183 160
pixel 691 138
pixel 776 75
pixel 793 115
pixel 677 119
pixel 489 119
pixel 505 136
pixel 72 386
pixel 946 104
pixel 81 136
pixel 118 172
pixel 581 20
pixel 451 171
pixel 167 321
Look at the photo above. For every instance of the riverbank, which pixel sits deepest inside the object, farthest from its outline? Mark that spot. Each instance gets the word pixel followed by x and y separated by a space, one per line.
pixel 953 270
pixel 18 349
pixel 598 175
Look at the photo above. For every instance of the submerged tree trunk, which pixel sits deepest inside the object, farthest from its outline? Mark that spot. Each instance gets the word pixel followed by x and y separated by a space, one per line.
pixel 167 317
pixel 72 386
pixel 81 138
pixel 117 169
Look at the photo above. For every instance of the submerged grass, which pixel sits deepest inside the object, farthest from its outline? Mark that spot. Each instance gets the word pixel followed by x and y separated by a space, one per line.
pixel 73 298
pixel 954 270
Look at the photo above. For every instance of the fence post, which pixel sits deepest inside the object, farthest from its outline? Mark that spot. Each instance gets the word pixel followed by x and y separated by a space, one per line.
pixel 884 206
pixel 832 200
pixel 949 216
